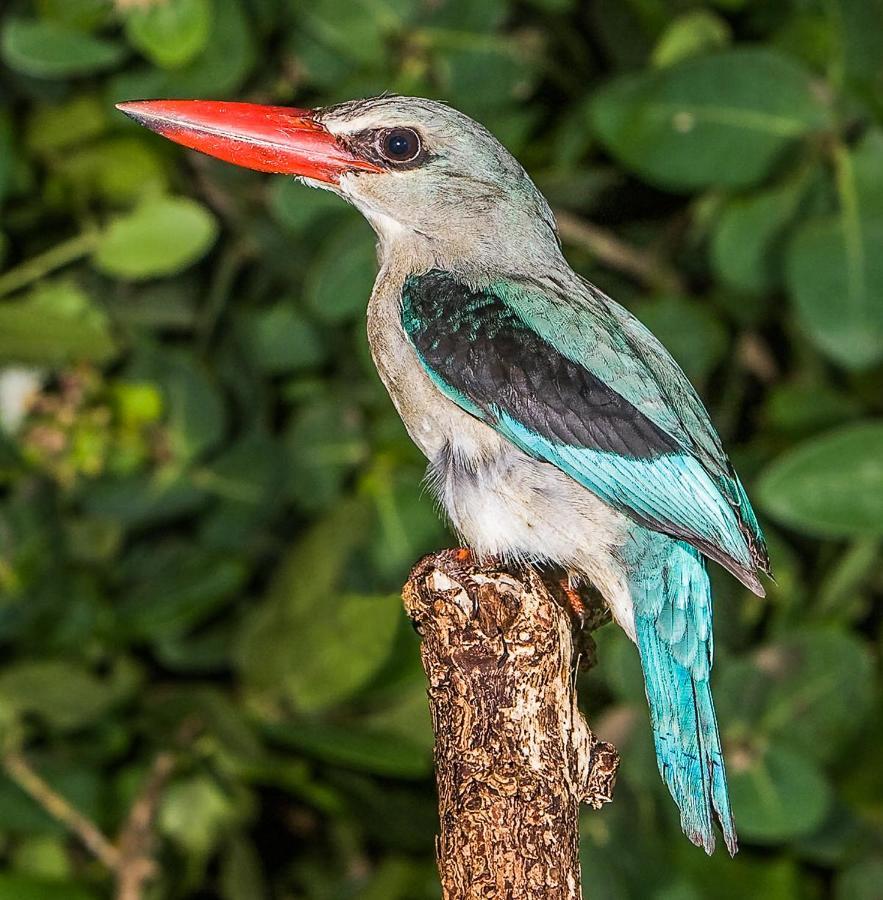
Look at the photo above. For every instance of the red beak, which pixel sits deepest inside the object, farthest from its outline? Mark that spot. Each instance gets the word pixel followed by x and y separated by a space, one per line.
pixel 267 138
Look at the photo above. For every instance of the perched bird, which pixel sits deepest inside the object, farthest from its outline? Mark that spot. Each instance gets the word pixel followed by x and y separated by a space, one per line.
pixel 557 427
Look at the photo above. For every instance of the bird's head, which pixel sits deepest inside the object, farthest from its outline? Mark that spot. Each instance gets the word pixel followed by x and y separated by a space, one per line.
pixel 424 174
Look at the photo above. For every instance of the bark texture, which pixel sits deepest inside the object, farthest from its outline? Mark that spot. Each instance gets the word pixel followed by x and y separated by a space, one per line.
pixel 514 757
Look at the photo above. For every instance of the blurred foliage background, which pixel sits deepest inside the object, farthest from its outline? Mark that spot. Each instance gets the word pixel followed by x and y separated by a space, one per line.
pixel 208 504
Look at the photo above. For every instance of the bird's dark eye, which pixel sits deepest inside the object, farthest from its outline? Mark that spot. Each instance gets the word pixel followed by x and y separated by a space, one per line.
pixel 400 145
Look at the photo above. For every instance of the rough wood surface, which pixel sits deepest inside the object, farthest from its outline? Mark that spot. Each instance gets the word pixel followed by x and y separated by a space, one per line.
pixel 514 757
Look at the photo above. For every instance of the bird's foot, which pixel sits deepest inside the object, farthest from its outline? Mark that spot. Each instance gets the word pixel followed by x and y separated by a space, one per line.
pixel 463 560
pixel 470 576
pixel 574 602
pixel 466 556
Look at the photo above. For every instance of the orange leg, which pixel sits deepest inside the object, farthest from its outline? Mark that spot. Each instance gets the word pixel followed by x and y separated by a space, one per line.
pixel 577 608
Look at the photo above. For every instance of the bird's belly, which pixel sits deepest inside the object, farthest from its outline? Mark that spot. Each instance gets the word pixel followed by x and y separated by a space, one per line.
pixel 510 505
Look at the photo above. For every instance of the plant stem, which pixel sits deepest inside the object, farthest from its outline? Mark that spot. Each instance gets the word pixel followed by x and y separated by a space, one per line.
pixel 20 771
pixel 40 266
pixel 641 265
pixel 131 859
pixel 850 215
pixel 219 293
pixel 137 865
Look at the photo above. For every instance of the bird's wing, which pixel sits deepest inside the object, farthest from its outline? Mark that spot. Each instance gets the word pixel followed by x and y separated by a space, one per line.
pixel 592 392
pixel 618 348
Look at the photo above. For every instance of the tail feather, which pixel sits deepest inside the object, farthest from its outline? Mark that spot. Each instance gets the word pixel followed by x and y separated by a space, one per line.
pixel 720 798
pixel 672 603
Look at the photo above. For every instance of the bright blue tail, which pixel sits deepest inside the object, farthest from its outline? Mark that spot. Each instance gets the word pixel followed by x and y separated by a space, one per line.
pixel 672 600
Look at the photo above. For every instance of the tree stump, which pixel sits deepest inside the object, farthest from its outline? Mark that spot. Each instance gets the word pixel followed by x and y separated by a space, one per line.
pixel 514 758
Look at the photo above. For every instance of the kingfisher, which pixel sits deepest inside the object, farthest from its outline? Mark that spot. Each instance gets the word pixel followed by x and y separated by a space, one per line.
pixel 558 430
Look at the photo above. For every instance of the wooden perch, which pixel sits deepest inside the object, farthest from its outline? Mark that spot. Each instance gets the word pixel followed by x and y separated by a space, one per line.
pixel 514 757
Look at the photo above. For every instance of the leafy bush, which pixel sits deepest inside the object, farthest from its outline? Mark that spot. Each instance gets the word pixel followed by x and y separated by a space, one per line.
pixel 208 504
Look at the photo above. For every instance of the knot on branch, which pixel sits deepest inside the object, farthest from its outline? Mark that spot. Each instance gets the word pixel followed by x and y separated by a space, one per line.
pixel 514 756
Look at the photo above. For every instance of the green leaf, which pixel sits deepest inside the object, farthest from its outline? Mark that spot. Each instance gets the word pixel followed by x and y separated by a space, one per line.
pixel 282 339
pixel 486 76
pixel 343 641
pixel 162 236
pixel 144 500
pixel 178 591
pixel 297 207
pixel 42 856
pixel 353 30
pixel 809 407
pixel 770 876
pixel 861 881
pixel 353 746
pixel 219 70
pixel 396 703
pixel 220 713
pixel 170 34
pixel 50 50
pixel 246 479
pixel 195 418
pixel 553 6
pixel 21 815
pixel 812 690
pixel 196 813
pixel 340 279
pixel 778 795
pixel 867 172
pixel 835 275
pixel 690 34
pixel 400 878
pixel 830 486
pixel 835 269
pixel 242 875
pixel 118 170
pixel 691 332
pixel 63 693
pixel 808 35
pixel 466 17
pixel 59 127
pixel 861 45
pixel 86 15
pixel 716 120
pixel 620 667
pixel 841 595
pixel 748 236
pixel 31 887
pixel 93 540
pixel 71 327
pixel 167 306
pixel 7 163
pixel 325 441
pixel 315 642
pixel 204 651
pixel 819 690
pixel 408 524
